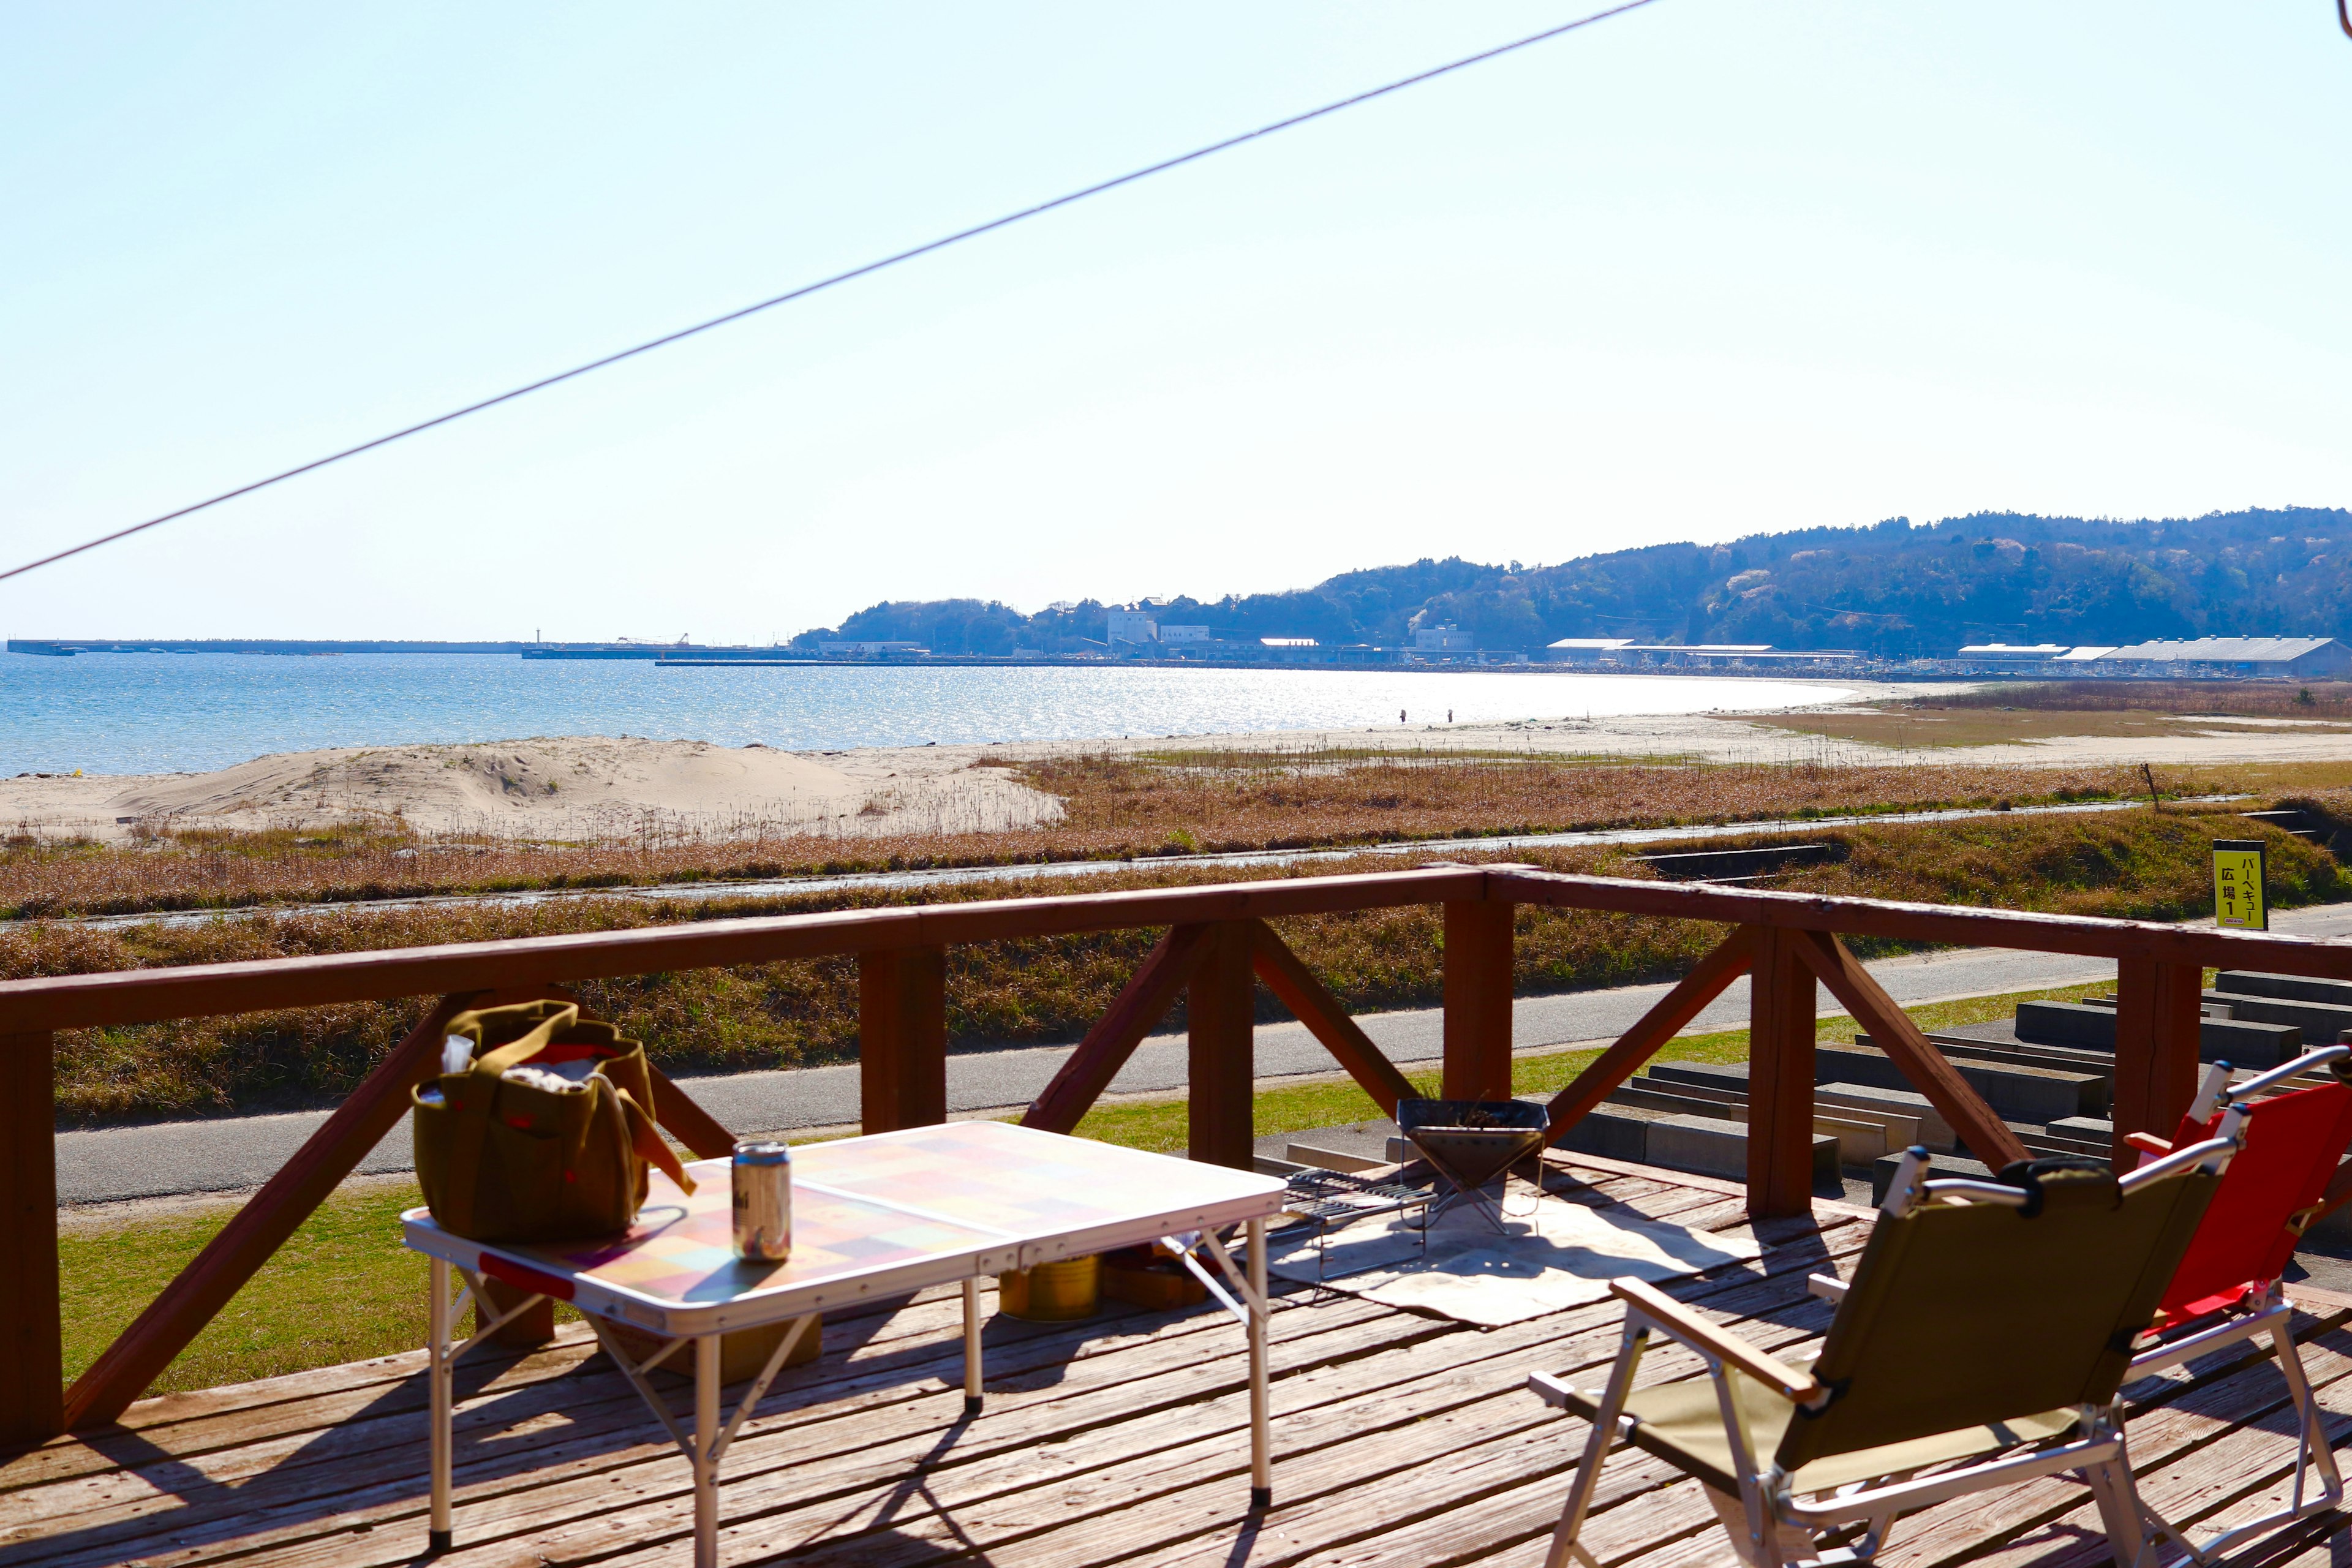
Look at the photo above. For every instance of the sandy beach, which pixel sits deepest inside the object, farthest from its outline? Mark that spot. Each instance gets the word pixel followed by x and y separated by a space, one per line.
pixel 580 788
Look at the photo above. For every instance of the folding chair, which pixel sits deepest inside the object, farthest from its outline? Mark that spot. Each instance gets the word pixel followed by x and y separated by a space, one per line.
pixel 2228 1288
pixel 1980 1344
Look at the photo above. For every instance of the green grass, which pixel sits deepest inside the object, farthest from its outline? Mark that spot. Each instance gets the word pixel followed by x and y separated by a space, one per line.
pixel 341 1288
pixel 344 1289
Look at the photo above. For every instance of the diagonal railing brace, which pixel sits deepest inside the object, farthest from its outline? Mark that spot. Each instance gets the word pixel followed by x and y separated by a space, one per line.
pixel 1725 962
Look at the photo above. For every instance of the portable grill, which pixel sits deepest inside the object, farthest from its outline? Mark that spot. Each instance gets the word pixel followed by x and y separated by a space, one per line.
pixel 1321 1202
pixel 1469 1143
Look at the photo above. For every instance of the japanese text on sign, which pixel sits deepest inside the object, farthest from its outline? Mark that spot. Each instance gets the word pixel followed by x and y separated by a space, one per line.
pixel 2238 901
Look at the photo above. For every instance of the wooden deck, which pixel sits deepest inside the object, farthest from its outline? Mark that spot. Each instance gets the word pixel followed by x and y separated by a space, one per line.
pixel 1398 1440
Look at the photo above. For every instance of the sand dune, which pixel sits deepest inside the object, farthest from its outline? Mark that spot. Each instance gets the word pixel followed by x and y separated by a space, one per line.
pixel 595 786
pixel 571 787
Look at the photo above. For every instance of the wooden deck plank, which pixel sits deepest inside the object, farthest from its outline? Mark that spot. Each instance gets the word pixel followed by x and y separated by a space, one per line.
pixel 875 1366
pixel 1504 1349
pixel 2167 1435
pixel 1101 1441
pixel 188 1424
pixel 2200 1485
pixel 604 1429
pixel 1492 1384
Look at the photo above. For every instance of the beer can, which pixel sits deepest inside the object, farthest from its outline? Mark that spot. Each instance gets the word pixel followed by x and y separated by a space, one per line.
pixel 763 1200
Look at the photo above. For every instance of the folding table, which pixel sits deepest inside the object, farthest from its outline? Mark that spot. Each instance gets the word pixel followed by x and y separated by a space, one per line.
pixel 872 1217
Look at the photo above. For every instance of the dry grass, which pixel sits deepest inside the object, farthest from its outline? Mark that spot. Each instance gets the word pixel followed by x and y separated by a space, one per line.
pixel 1907 728
pixel 1179 802
pixel 2125 863
pixel 2266 698
pixel 1239 802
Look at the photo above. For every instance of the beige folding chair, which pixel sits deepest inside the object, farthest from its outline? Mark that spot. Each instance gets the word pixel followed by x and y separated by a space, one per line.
pixel 1980 1344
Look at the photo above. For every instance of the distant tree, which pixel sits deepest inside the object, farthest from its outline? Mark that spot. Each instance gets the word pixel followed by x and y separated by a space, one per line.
pixel 1892 587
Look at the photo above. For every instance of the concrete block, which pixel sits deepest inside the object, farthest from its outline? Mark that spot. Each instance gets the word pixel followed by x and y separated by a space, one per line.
pixel 1863 1136
pixel 2321 1022
pixel 1613 1132
pixel 2240 1038
pixel 1882 1172
pixel 2067 1024
pixel 2290 987
pixel 1732 1075
pixel 1715 1147
pixel 1928 1125
pixel 2024 1054
pixel 2015 1093
pixel 2093 1129
pixel 2248 1042
pixel 1860 1137
pixel 1694 1099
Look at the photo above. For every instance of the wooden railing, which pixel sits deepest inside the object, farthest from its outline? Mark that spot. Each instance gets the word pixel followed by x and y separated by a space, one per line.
pixel 1216 948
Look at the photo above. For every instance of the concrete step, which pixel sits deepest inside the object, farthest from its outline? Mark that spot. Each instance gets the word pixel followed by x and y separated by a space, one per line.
pixel 2096 1130
pixel 2287 987
pixel 1860 1139
pixel 2000 1053
pixel 1905 1113
pixel 2015 1093
pixel 2321 1022
pixel 1882 1172
pixel 1705 1145
pixel 2234 1040
pixel 1711 1147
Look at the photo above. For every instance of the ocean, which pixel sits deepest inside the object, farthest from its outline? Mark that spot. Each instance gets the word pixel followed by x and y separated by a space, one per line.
pixel 154 713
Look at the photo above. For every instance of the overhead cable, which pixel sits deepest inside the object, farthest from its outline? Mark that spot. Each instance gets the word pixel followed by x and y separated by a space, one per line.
pixel 806 290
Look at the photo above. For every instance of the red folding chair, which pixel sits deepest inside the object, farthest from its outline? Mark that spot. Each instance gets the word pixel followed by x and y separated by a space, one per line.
pixel 2228 1288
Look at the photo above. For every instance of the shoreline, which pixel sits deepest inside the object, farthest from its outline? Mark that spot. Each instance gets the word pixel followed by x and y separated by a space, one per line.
pixel 593 787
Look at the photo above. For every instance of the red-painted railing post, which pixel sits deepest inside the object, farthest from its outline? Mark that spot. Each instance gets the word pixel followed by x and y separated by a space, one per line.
pixel 1477 992
pixel 2157 1023
pixel 902 1037
pixel 32 1356
pixel 1780 1077
pixel 1220 1024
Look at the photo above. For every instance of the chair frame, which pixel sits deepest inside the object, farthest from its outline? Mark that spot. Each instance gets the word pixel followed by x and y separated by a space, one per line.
pixel 1768 1501
pixel 2269 1313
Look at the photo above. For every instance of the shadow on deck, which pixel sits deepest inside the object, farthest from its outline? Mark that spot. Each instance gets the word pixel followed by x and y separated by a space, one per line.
pixel 1398 1438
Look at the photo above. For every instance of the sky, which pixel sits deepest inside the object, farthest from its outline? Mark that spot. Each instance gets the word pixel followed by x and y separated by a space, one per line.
pixel 1701 270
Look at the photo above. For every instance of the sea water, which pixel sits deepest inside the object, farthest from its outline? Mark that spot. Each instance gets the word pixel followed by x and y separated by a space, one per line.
pixel 151 713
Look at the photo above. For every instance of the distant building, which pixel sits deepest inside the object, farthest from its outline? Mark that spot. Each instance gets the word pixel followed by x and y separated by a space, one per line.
pixel 868 650
pixel 2082 655
pixel 1442 639
pixel 1586 649
pixel 2238 655
pixel 1714 653
pixel 2012 653
pixel 1186 634
pixel 1129 624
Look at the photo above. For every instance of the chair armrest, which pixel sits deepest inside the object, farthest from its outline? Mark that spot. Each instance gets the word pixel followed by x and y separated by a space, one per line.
pixel 2148 1142
pixel 1827 1287
pixel 1555 1391
pixel 1680 1322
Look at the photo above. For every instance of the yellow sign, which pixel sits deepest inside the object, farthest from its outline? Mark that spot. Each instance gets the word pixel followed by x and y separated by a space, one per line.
pixel 2238 891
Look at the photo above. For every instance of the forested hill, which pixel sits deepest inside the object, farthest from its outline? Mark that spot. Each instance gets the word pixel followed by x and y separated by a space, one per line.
pixel 1891 588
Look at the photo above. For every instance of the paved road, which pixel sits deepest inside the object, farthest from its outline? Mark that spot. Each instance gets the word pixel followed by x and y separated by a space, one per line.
pixel 231 1154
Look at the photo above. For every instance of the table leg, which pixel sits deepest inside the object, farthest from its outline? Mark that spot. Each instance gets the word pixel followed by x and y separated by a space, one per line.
pixel 438 1369
pixel 972 1382
pixel 706 1445
pixel 1261 1431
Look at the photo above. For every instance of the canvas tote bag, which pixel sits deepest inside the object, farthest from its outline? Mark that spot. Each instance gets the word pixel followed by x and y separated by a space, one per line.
pixel 556 1153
